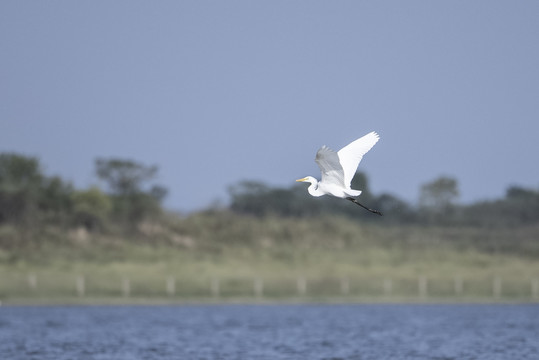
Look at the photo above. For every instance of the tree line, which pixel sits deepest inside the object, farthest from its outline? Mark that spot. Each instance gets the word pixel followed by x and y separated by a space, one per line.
pixel 437 205
pixel 30 199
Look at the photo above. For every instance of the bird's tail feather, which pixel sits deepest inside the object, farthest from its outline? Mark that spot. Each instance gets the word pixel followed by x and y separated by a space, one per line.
pixel 352 192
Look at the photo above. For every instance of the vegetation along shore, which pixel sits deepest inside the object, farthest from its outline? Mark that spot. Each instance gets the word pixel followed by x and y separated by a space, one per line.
pixel 117 243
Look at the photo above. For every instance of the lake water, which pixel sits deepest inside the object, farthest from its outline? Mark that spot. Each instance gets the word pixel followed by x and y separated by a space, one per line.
pixel 272 332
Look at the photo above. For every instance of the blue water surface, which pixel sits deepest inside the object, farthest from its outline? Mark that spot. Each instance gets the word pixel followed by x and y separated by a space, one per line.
pixel 276 332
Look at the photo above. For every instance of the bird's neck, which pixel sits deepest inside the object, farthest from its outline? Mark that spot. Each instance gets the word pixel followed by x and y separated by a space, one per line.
pixel 314 190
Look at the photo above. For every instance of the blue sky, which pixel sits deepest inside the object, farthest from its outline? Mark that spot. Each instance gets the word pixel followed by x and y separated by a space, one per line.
pixel 215 92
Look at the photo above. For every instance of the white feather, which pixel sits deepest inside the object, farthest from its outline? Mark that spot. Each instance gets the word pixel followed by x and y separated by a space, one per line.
pixel 351 155
pixel 339 168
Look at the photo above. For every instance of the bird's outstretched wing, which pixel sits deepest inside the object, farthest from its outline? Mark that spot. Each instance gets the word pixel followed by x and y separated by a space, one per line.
pixel 350 155
pixel 330 167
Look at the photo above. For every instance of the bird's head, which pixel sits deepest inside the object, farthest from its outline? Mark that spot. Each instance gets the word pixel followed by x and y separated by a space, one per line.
pixel 308 179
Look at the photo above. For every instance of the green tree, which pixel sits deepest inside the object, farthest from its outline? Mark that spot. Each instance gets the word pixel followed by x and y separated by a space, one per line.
pixel 91 208
pixel 256 198
pixel 127 182
pixel 394 209
pixel 437 199
pixel 439 194
pixel 20 183
pixel 55 203
pixel 522 204
pixel 124 177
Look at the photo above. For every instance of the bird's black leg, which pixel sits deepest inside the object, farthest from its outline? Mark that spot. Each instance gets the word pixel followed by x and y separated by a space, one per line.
pixel 363 206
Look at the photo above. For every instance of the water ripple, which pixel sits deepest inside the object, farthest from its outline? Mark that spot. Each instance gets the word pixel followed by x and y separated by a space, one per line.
pixel 276 332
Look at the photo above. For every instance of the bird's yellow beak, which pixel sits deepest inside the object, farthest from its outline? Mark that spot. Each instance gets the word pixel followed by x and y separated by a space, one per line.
pixel 302 179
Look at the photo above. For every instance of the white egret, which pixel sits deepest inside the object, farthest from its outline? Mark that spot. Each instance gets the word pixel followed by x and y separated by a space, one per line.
pixel 338 169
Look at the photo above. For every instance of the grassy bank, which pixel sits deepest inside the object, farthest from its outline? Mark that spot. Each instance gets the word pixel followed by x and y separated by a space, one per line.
pixel 226 257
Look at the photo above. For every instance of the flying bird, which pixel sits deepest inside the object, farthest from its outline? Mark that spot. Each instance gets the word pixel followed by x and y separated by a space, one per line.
pixel 338 169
